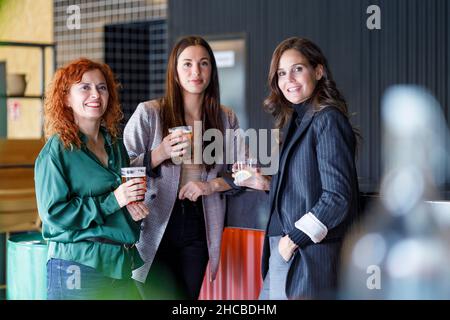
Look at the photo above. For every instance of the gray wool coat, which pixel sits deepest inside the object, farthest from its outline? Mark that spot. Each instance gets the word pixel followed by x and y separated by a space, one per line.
pixel 142 134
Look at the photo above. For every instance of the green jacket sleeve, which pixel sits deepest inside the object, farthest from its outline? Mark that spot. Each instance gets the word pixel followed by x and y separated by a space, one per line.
pixel 61 210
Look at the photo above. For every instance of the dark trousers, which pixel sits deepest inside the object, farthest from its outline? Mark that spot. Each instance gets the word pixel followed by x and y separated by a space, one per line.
pixel 179 266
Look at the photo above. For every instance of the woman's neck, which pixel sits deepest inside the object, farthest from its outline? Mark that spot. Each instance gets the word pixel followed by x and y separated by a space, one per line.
pixel 193 106
pixel 91 130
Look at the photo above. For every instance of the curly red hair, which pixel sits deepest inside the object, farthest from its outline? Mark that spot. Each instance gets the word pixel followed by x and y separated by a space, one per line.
pixel 59 117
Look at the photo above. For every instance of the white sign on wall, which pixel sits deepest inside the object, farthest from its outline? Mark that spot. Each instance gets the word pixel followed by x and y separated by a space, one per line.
pixel 224 59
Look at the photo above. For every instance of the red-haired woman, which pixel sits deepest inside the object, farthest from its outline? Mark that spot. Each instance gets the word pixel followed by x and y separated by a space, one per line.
pixel 89 217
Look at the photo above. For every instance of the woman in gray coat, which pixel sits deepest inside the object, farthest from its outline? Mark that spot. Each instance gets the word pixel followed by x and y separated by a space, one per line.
pixel 314 195
pixel 186 224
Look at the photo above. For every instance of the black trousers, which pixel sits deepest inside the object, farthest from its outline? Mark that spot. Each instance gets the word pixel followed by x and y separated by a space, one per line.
pixel 179 266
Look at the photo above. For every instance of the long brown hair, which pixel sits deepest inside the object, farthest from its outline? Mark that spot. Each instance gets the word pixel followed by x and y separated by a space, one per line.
pixel 172 105
pixel 325 93
pixel 59 117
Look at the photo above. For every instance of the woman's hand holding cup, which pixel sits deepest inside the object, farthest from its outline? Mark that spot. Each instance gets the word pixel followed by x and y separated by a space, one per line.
pixel 180 143
pixel 166 148
pixel 130 191
pixel 133 187
pixel 248 174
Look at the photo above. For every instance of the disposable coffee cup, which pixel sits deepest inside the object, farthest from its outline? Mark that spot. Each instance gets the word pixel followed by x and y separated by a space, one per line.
pixel 184 129
pixel 129 173
pixel 187 131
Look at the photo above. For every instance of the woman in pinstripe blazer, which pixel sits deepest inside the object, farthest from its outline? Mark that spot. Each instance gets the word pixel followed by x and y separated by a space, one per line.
pixel 314 195
pixel 184 228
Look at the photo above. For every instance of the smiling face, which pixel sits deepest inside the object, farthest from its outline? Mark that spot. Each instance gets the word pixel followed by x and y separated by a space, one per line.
pixel 194 70
pixel 89 97
pixel 297 79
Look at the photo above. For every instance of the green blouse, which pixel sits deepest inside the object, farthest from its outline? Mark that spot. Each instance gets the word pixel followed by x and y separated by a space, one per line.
pixel 75 198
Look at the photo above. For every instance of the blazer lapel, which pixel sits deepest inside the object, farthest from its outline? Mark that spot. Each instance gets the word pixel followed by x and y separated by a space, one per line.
pixel 286 149
pixel 274 182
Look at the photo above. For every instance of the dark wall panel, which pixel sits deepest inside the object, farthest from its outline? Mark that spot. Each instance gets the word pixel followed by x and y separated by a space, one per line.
pixel 137 54
pixel 247 17
pixel 412 46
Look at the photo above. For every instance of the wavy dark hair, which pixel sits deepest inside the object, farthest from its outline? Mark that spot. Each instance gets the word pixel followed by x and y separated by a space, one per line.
pixel 325 93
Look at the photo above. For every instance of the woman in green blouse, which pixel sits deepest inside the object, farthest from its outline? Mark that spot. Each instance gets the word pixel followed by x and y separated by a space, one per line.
pixel 89 217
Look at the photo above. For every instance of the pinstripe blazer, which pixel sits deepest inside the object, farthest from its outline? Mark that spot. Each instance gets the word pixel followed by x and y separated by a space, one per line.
pixel 318 175
pixel 142 134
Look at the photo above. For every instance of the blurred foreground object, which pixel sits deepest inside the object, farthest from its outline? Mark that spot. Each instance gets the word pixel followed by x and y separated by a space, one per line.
pixel 401 250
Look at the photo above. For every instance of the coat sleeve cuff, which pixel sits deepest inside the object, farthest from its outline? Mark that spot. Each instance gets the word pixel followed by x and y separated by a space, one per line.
pixel 151 172
pixel 109 204
pixel 312 227
pixel 299 237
